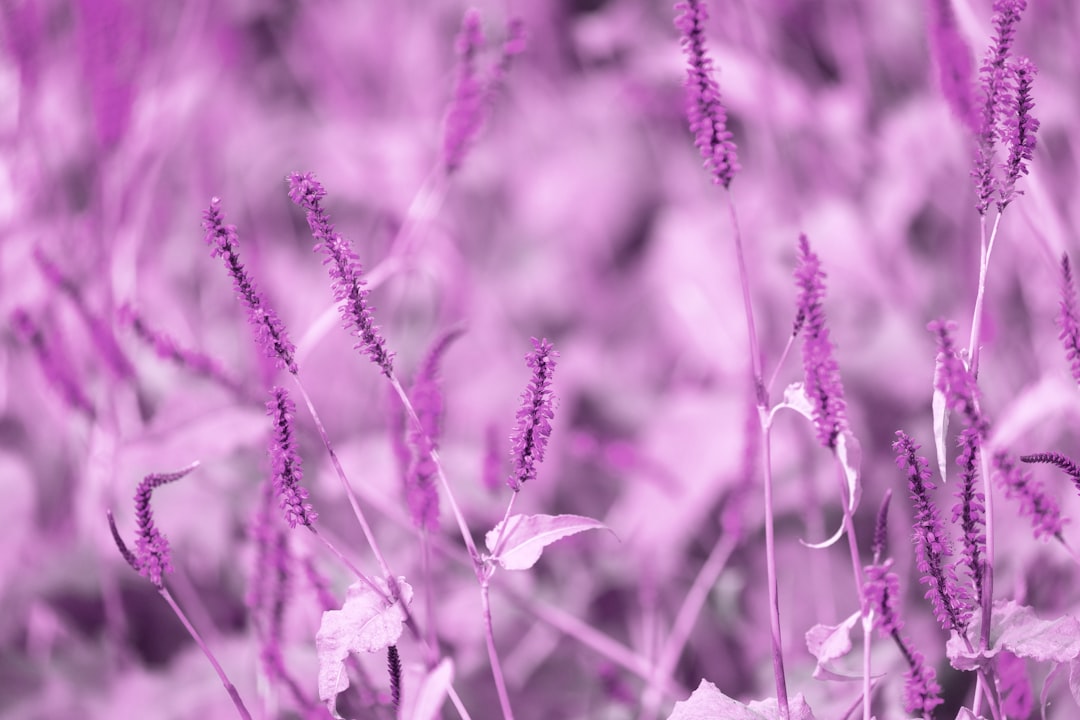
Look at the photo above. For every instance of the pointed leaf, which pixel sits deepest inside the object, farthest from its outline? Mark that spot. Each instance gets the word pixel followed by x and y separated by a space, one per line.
pixel 795 398
pixel 1015 628
pixel 849 452
pixel 365 623
pixel 940 407
pixel 431 694
pixel 526 536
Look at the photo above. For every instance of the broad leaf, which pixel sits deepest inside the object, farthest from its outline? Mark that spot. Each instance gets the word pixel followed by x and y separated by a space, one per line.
pixel 708 703
pixel 1016 628
pixel 795 398
pixel 365 623
pixel 526 536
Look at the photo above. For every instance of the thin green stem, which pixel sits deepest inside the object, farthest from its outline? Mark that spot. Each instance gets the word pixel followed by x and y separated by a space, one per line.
pixel 493 654
pixel 229 687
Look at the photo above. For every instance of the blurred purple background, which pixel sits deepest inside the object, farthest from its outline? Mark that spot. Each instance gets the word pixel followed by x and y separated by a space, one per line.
pixel 581 214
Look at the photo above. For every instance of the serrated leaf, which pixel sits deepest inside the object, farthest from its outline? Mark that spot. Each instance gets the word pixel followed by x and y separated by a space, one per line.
pixel 708 703
pixel 940 407
pixel 526 536
pixel 1015 628
pixel 829 643
pixel 366 622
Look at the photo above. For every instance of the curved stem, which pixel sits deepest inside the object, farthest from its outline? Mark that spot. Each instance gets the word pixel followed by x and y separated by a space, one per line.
pixel 493 654
pixel 229 687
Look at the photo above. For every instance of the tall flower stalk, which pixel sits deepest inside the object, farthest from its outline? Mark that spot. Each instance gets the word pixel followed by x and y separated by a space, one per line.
pixel 708 123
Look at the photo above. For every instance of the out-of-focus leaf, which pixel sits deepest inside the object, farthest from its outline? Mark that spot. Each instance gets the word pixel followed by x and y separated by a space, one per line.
pixel 828 643
pixel 1051 397
pixel 365 623
pixel 708 703
pixel 1015 628
pixel 430 694
pixel 849 452
pixel 526 536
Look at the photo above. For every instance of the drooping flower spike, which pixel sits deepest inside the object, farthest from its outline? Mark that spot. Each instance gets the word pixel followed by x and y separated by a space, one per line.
pixel 1062 462
pixel 269 330
pixel 533 429
pixel 344 268
pixel 822 374
pixel 708 118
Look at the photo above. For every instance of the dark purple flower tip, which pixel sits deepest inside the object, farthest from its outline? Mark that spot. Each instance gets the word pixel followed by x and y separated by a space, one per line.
pixel 530 436
pixel 269 330
pixel 345 271
pixel 152 556
pixel 128 556
pixel 1062 462
pixel 706 112
pixel 822 375
pixel 1069 319
pixel 287 467
pixel 1041 509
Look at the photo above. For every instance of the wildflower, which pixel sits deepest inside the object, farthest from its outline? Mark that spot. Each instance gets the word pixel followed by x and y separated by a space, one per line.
pixel 932 545
pixel 1069 320
pixel 1035 504
pixel 152 558
pixel 421 492
pixel 921 691
pixel 393 667
pixel 970 511
pixel 881 586
pixel 708 118
pixel 823 384
pixel 288 471
pixel 530 437
pixel 1019 131
pixel 952 56
pixel 465 115
pixel 345 271
pixel 994 81
pixel 1062 462
pixel 53 362
pixel 269 331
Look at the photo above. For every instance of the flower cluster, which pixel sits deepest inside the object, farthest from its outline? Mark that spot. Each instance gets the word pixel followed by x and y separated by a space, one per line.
pixel 530 437
pixel 269 330
pixel 951 603
pixel 1019 127
pixel 465 115
pixel 708 118
pixel 288 471
pixel 823 384
pixel 344 268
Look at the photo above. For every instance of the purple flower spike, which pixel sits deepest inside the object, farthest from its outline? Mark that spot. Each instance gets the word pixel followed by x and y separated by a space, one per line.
pixel 952 56
pixel 269 330
pixel 530 437
pixel 970 510
pixel 932 545
pixel 921 691
pixel 823 384
pixel 288 471
pixel 344 268
pixel 881 592
pixel 1062 462
pixel 1020 128
pixel 465 115
pixel 1041 509
pixel 421 491
pixel 708 118
pixel 53 362
pixel 881 528
pixel 151 546
pixel 1069 320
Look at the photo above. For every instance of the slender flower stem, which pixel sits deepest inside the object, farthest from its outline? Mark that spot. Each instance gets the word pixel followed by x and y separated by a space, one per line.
pixel 502 527
pixel 493 654
pixel 357 511
pixel 760 395
pixel 360 575
pixel 685 620
pixel 779 364
pixel 867 628
pixel 458 705
pixel 985 250
pixel 229 687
